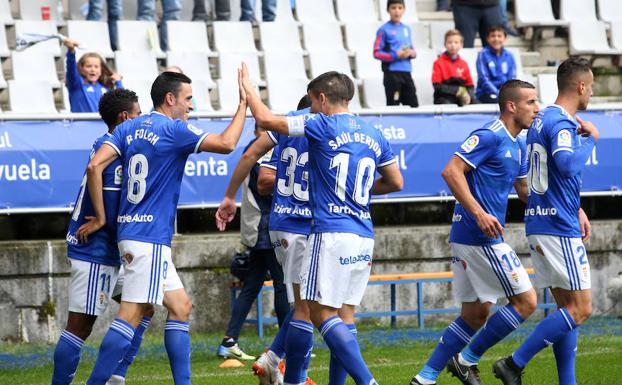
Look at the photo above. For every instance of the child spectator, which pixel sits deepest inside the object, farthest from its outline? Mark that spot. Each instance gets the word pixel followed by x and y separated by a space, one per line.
pixel 393 46
pixel 451 76
pixel 88 79
pixel 495 66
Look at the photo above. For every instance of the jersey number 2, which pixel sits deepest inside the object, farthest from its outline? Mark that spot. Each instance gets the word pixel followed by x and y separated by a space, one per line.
pixel 138 169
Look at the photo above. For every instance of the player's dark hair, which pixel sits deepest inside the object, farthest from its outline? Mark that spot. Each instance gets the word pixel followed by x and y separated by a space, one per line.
pixel 305 102
pixel 509 92
pixel 391 2
pixel 337 87
pixel 167 82
pixel 496 28
pixel 570 70
pixel 114 102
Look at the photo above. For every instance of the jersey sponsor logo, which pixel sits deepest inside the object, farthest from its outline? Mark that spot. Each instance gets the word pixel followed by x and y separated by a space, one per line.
pixel 540 211
pixel 470 143
pixel 144 218
pixel 296 210
pixel 353 259
pixel 333 208
pixel 118 175
pixel 456 217
pixel 71 239
pixel 564 139
pixel 195 130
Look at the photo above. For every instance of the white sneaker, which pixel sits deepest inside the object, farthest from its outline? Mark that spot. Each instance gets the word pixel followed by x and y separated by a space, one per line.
pixel 268 374
pixel 116 380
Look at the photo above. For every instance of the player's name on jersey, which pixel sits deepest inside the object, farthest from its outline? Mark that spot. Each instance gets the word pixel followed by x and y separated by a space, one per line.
pixel 296 210
pixel 333 208
pixel 135 218
pixel 542 211
pixel 349 137
pixel 143 133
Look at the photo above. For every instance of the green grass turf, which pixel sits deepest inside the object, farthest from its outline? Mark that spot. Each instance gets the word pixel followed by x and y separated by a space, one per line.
pixel 394 356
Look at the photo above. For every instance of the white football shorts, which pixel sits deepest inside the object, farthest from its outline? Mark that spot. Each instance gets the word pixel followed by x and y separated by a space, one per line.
pixel 91 286
pixel 487 273
pixel 336 268
pixel 290 251
pixel 560 262
pixel 148 272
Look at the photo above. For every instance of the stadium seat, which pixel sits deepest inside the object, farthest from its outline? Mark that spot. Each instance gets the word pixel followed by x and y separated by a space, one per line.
pixel 201 97
pixel 366 65
pixel 315 11
pixel 516 52
pixel 31 10
pixel 66 103
pixel 590 38
pixel 5 13
pixel 616 34
pixel 31 96
pixel 194 64
pixel 373 93
pixel 425 91
pixel 410 14
pixel 142 87
pixel 573 10
pixel 92 36
pixel 547 88
pixel 229 62
pixel 535 13
pixel 139 36
pixel 136 65
pixel 469 55
pixel 355 103
pixel 360 36
pixel 76 7
pixel 422 75
pixel 322 37
pixel 188 36
pixel 284 65
pixel 321 62
pixel 284 12
pixel 51 46
pixel 610 10
pixel 356 10
pixel 4 47
pixel 284 93
pixel 234 36
pixel 280 37
pixel 228 94
pixel 421 34
pixel 3 83
pixel 437 34
pixel 35 66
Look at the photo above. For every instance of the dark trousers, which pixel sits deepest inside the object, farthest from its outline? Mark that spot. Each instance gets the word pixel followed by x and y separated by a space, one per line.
pixel 470 20
pixel 261 261
pixel 399 88
pixel 222 10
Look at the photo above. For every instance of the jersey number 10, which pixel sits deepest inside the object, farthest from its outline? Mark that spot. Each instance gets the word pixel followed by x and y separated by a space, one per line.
pixel 365 170
pixel 538 176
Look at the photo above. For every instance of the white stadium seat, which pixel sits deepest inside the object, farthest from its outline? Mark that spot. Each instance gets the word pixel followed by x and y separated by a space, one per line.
pixel 357 10
pixel 51 46
pixel 5 13
pixel 315 11
pixel 284 93
pixel 321 62
pixel 139 36
pixel 610 10
pixel 193 64
pixel 577 10
pixel 355 103
pixel 322 36
pixel 229 63
pixel 421 34
pixel 136 65
pixel 366 65
pixel 536 13
pixel 31 96
pixel 547 88
pixel 410 14
pixel 360 36
pixel 283 12
pixel 590 38
pixel 233 36
pixel 373 93
pixel 284 65
pixel 31 9
pixel 280 37
pixel 616 34
pixel 437 34
pixel 3 83
pixel 422 75
pixel 201 96
pixel 142 87
pixel 92 35
pixel 188 36
pixel 4 47
pixel 35 66
pixel 229 95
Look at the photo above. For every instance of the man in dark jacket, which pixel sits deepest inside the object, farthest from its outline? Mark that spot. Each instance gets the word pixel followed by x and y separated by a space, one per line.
pixel 472 16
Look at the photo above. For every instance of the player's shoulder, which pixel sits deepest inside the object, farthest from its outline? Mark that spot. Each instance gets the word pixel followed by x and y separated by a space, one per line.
pixel 303 111
pixel 493 129
pixel 555 117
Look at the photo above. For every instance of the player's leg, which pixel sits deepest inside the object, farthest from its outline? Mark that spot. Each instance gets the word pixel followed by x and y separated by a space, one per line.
pixel 337 373
pixel 408 95
pixel 69 347
pixel 281 304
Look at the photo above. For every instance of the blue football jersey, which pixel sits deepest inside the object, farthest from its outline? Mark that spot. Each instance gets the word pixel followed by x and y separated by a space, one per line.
pixel 102 244
pixel 290 201
pixel 344 153
pixel 154 149
pixel 554 200
pixel 498 159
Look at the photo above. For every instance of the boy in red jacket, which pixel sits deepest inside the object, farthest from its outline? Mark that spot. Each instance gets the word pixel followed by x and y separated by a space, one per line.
pixel 451 77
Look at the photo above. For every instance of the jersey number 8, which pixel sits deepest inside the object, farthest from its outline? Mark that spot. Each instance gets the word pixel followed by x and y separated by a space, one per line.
pixel 138 169
pixel 538 176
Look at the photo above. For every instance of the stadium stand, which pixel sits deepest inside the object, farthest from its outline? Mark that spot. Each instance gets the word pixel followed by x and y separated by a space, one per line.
pixel 35 66
pixel 572 10
pixel 616 34
pixel 4 46
pixel 284 65
pixel 283 11
pixel 547 88
pixel 40 27
pixel 410 15
pixel 230 61
pixel 31 97
pixel 283 91
pixel 32 10
pixel 610 10
pixel 356 10
pixel 5 13
pixel 323 37
pixel 421 34
pixel 179 41
pixel 590 38
pixel 233 36
pixel 280 36
pixel 139 65
pixel 315 11
pixel 193 64
pixel 437 34
pixel 92 35
pixel 422 75
pixel 373 93
pixel 139 36
pixel 324 61
pixel 201 96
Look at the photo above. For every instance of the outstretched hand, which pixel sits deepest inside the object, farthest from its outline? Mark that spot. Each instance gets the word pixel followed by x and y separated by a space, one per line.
pixel 245 80
pixel 240 86
pixel 225 213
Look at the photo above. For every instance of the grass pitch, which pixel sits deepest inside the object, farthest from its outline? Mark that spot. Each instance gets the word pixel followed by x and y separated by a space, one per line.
pixel 393 355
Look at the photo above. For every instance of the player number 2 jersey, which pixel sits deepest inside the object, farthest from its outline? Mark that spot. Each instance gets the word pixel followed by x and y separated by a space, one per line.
pixel 154 149
pixel 344 153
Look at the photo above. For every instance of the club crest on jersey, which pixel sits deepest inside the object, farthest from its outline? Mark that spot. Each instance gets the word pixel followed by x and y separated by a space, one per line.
pixel 127 259
pixel 515 276
pixel 470 143
pixel 284 243
pixel 101 298
pixel 195 130
pixel 118 175
pixel 564 139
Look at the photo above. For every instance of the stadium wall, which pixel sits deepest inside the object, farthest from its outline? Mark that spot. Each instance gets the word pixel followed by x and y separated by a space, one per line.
pixel 34 277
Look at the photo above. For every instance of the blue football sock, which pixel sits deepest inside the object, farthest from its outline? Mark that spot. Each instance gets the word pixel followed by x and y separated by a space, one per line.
pixel 111 351
pixel 343 344
pixel 66 358
pixel 298 344
pixel 278 345
pixel 502 323
pixel 548 332
pixel 565 350
pixel 121 369
pixel 177 344
pixel 337 373
pixel 454 338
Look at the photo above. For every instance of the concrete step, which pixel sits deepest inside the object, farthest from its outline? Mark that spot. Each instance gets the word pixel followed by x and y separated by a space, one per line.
pixel 426 6
pixel 434 16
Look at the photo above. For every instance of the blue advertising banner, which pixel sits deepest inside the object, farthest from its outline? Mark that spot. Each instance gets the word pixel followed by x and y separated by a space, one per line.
pixel 42 163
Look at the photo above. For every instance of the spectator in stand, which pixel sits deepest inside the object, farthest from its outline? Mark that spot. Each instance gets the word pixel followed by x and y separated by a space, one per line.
pixel 221 9
pixel 171 10
pixel 115 12
pixel 451 76
pixel 87 79
pixel 495 66
pixel 503 8
pixel 443 6
pixel 268 10
pixel 472 16
pixel 394 48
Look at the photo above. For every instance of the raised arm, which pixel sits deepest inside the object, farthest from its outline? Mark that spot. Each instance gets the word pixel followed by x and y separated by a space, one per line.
pixel 456 180
pixel 266 180
pixel 390 180
pixel 102 158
